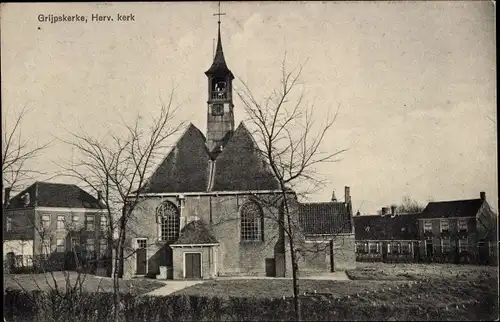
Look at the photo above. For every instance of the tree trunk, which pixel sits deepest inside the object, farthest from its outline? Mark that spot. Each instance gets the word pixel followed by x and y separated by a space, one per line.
pixel 296 300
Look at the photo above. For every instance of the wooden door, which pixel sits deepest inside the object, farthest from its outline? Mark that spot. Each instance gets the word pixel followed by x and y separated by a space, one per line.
pixel 193 265
pixel 141 257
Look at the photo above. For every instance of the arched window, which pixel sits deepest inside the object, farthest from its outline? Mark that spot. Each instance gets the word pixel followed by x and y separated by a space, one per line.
pixel 169 220
pixel 252 222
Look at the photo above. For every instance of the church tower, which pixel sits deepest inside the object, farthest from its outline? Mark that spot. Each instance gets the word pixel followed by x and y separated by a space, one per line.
pixel 220 116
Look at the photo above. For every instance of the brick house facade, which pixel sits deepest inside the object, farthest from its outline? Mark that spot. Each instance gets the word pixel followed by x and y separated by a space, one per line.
pixel 48 220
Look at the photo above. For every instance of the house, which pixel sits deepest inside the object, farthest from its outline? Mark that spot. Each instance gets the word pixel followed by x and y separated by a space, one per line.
pixel 328 229
pixel 48 220
pixel 387 237
pixel 213 206
pixel 459 231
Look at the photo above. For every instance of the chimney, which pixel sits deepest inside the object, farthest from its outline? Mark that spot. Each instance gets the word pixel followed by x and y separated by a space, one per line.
pixel 483 195
pixel 7 195
pixel 347 194
pixel 393 210
pixel 334 199
pixel 99 195
pixel 384 211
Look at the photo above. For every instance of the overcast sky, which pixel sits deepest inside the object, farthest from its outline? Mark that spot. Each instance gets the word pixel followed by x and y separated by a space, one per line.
pixel 415 81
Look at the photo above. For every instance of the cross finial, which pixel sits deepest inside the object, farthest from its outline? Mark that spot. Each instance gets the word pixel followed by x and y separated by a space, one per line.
pixel 219 13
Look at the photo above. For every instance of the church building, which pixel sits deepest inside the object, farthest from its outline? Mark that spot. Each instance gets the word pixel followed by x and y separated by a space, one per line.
pixel 202 215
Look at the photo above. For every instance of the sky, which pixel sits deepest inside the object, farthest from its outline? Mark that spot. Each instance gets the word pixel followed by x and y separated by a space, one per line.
pixel 415 81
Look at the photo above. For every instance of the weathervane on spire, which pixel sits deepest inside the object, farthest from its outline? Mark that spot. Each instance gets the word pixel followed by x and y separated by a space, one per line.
pixel 219 14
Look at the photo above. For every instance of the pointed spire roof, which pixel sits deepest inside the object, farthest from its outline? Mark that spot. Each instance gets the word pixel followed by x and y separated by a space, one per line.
pixel 219 66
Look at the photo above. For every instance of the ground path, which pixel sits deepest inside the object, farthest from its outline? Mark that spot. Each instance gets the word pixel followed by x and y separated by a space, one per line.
pixel 172 286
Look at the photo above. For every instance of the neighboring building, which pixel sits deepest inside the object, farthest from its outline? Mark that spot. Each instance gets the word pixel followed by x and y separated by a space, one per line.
pixel 47 220
pixel 458 231
pixel 212 207
pixel 328 229
pixel 462 231
pixel 387 237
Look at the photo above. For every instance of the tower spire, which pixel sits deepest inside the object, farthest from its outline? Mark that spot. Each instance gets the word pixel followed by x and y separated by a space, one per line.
pixel 219 63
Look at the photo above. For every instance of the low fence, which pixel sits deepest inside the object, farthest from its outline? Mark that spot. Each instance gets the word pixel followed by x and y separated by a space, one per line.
pixel 473 256
pixel 69 261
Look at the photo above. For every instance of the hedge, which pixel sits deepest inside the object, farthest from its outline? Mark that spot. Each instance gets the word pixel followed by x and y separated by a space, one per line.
pixel 39 306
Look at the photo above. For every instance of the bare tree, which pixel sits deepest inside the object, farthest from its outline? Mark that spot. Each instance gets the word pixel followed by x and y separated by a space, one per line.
pixel 119 167
pixel 293 145
pixel 17 152
pixel 409 206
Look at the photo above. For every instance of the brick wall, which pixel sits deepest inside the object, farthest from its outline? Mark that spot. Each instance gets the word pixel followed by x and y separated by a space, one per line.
pixel 220 212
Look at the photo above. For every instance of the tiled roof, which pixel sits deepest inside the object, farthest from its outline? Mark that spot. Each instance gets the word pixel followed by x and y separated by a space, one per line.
pixel 58 195
pixel 185 169
pixel 400 227
pixel 240 167
pixel 455 208
pixel 195 232
pixel 325 218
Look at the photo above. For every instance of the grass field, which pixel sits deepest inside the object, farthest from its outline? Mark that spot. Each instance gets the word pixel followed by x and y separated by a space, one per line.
pixel 91 283
pixel 401 285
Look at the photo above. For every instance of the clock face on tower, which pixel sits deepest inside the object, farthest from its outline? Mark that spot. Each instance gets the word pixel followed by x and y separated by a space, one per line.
pixel 217 109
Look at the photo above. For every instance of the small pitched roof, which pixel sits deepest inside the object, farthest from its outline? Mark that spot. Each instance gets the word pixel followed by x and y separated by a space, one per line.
pixel 455 208
pixel 325 218
pixel 59 195
pixel 399 227
pixel 195 232
pixel 185 169
pixel 241 167
pixel 219 66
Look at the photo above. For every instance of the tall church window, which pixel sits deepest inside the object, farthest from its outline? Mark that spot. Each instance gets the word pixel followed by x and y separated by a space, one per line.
pixel 252 222
pixel 169 220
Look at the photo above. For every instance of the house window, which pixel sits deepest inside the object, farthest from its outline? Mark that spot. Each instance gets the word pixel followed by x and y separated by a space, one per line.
pixel 463 245
pixel 252 221
pixel 396 247
pixel 89 222
pixel 462 224
pixel 362 247
pixel 60 222
pixel 427 226
pixel 445 225
pixel 45 222
pixel 60 247
pixel 75 222
pixel 103 246
pixel 445 246
pixel 169 222
pixel 104 223
pixel 217 109
pixel 374 248
pixel 89 246
pixel 8 224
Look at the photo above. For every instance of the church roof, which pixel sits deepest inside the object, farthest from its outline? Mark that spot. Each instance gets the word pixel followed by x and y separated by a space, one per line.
pixel 195 232
pixel 185 169
pixel 219 66
pixel 240 167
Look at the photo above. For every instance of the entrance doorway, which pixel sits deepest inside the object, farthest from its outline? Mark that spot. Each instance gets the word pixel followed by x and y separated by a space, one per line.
pixel 141 257
pixel 192 265
pixel 429 251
